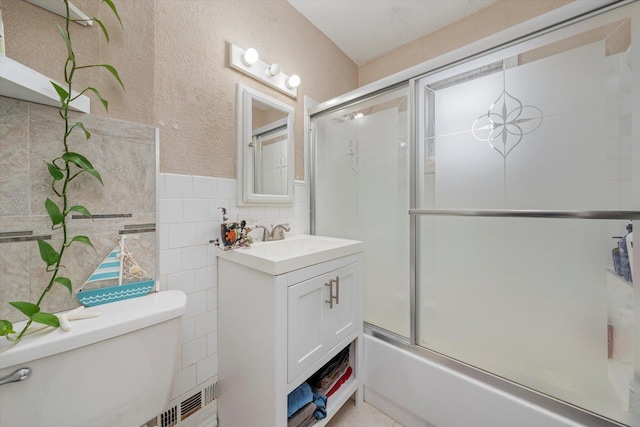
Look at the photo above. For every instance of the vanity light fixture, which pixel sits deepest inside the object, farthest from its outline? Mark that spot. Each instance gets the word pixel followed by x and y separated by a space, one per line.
pixel 293 81
pixel 274 69
pixel 250 57
pixel 248 62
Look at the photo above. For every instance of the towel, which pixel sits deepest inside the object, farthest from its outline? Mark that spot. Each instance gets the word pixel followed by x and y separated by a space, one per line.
pixel 298 398
pixel 343 379
pixel 320 401
pixel 331 377
pixel 330 367
pixel 303 416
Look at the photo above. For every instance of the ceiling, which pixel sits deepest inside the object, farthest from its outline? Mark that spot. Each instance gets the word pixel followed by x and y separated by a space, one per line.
pixel 366 29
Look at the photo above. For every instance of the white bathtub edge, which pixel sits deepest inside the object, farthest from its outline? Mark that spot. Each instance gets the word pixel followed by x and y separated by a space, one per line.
pixel 420 393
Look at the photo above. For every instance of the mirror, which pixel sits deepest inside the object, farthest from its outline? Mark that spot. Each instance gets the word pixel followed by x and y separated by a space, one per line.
pixel 265 149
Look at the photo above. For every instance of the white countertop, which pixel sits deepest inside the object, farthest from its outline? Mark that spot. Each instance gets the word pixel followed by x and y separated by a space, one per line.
pixel 296 251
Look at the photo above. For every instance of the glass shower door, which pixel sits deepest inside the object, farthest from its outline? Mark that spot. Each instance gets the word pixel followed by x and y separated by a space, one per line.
pixel 361 191
pixel 526 165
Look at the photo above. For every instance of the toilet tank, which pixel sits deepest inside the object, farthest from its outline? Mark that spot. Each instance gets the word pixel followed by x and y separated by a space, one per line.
pixel 113 370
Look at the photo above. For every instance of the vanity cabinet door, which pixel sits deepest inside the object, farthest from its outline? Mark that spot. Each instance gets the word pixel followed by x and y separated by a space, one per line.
pixel 305 324
pixel 315 325
pixel 341 319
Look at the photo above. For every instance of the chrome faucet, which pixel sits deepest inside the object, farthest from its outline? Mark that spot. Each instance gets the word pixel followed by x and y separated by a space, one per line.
pixel 276 233
pixel 266 234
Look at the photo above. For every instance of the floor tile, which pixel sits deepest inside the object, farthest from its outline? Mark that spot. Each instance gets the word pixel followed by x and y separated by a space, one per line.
pixel 364 416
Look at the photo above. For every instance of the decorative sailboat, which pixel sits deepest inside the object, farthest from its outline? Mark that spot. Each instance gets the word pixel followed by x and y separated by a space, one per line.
pixel 119 265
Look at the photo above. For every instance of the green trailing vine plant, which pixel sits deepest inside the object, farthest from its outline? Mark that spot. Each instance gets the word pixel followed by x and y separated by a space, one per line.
pixel 63 169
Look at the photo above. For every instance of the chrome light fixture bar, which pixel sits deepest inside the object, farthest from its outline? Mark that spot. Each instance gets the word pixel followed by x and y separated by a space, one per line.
pixel 249 63
pixel 58 7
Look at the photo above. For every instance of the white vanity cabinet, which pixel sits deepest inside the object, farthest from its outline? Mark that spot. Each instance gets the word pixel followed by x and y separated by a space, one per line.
pixel 276 330
pixel 321 313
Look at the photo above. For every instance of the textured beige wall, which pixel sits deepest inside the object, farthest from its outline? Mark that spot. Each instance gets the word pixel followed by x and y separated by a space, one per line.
pixel 490 20
pixel 195 91
pixel 33 40
pixel 172 57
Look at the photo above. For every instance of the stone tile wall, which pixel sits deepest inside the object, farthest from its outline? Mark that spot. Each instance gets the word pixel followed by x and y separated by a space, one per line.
pixel 123 153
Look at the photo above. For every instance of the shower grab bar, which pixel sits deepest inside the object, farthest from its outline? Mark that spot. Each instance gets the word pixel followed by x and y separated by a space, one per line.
pixel 620 215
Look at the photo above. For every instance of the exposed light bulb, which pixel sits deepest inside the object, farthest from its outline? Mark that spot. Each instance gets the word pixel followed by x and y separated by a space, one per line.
pixel 250 57
pixel 274 69
pixel 293 81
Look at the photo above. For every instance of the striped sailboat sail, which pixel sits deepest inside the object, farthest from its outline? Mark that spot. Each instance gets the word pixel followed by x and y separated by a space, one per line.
pixel 110 268
pixel 118 265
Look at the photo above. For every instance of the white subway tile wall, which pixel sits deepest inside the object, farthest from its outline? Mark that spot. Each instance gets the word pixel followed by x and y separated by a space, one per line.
pixel 189 219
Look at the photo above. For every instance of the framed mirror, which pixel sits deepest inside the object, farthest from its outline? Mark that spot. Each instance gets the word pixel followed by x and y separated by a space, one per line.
pixel 265 149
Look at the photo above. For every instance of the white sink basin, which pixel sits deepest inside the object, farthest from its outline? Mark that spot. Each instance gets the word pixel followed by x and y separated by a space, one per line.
pixel 294 252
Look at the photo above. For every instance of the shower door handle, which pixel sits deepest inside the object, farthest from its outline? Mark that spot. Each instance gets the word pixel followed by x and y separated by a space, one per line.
pixel 331 295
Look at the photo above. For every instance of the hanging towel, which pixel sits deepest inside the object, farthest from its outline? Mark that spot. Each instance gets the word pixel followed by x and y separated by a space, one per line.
pixel 298 398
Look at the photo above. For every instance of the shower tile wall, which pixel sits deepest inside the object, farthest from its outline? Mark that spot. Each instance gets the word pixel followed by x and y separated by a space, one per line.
pixel 188 219
pixel 618 132
pixel 619 144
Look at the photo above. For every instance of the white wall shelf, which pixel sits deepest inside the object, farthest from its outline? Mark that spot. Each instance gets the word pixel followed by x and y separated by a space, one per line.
pixel 21 82
pixel 58 7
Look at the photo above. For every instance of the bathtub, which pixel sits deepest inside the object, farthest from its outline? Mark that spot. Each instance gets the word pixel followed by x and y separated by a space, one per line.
pixel 417 391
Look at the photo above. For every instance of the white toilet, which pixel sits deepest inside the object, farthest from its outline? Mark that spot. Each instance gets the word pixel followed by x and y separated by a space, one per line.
pixel 113 370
